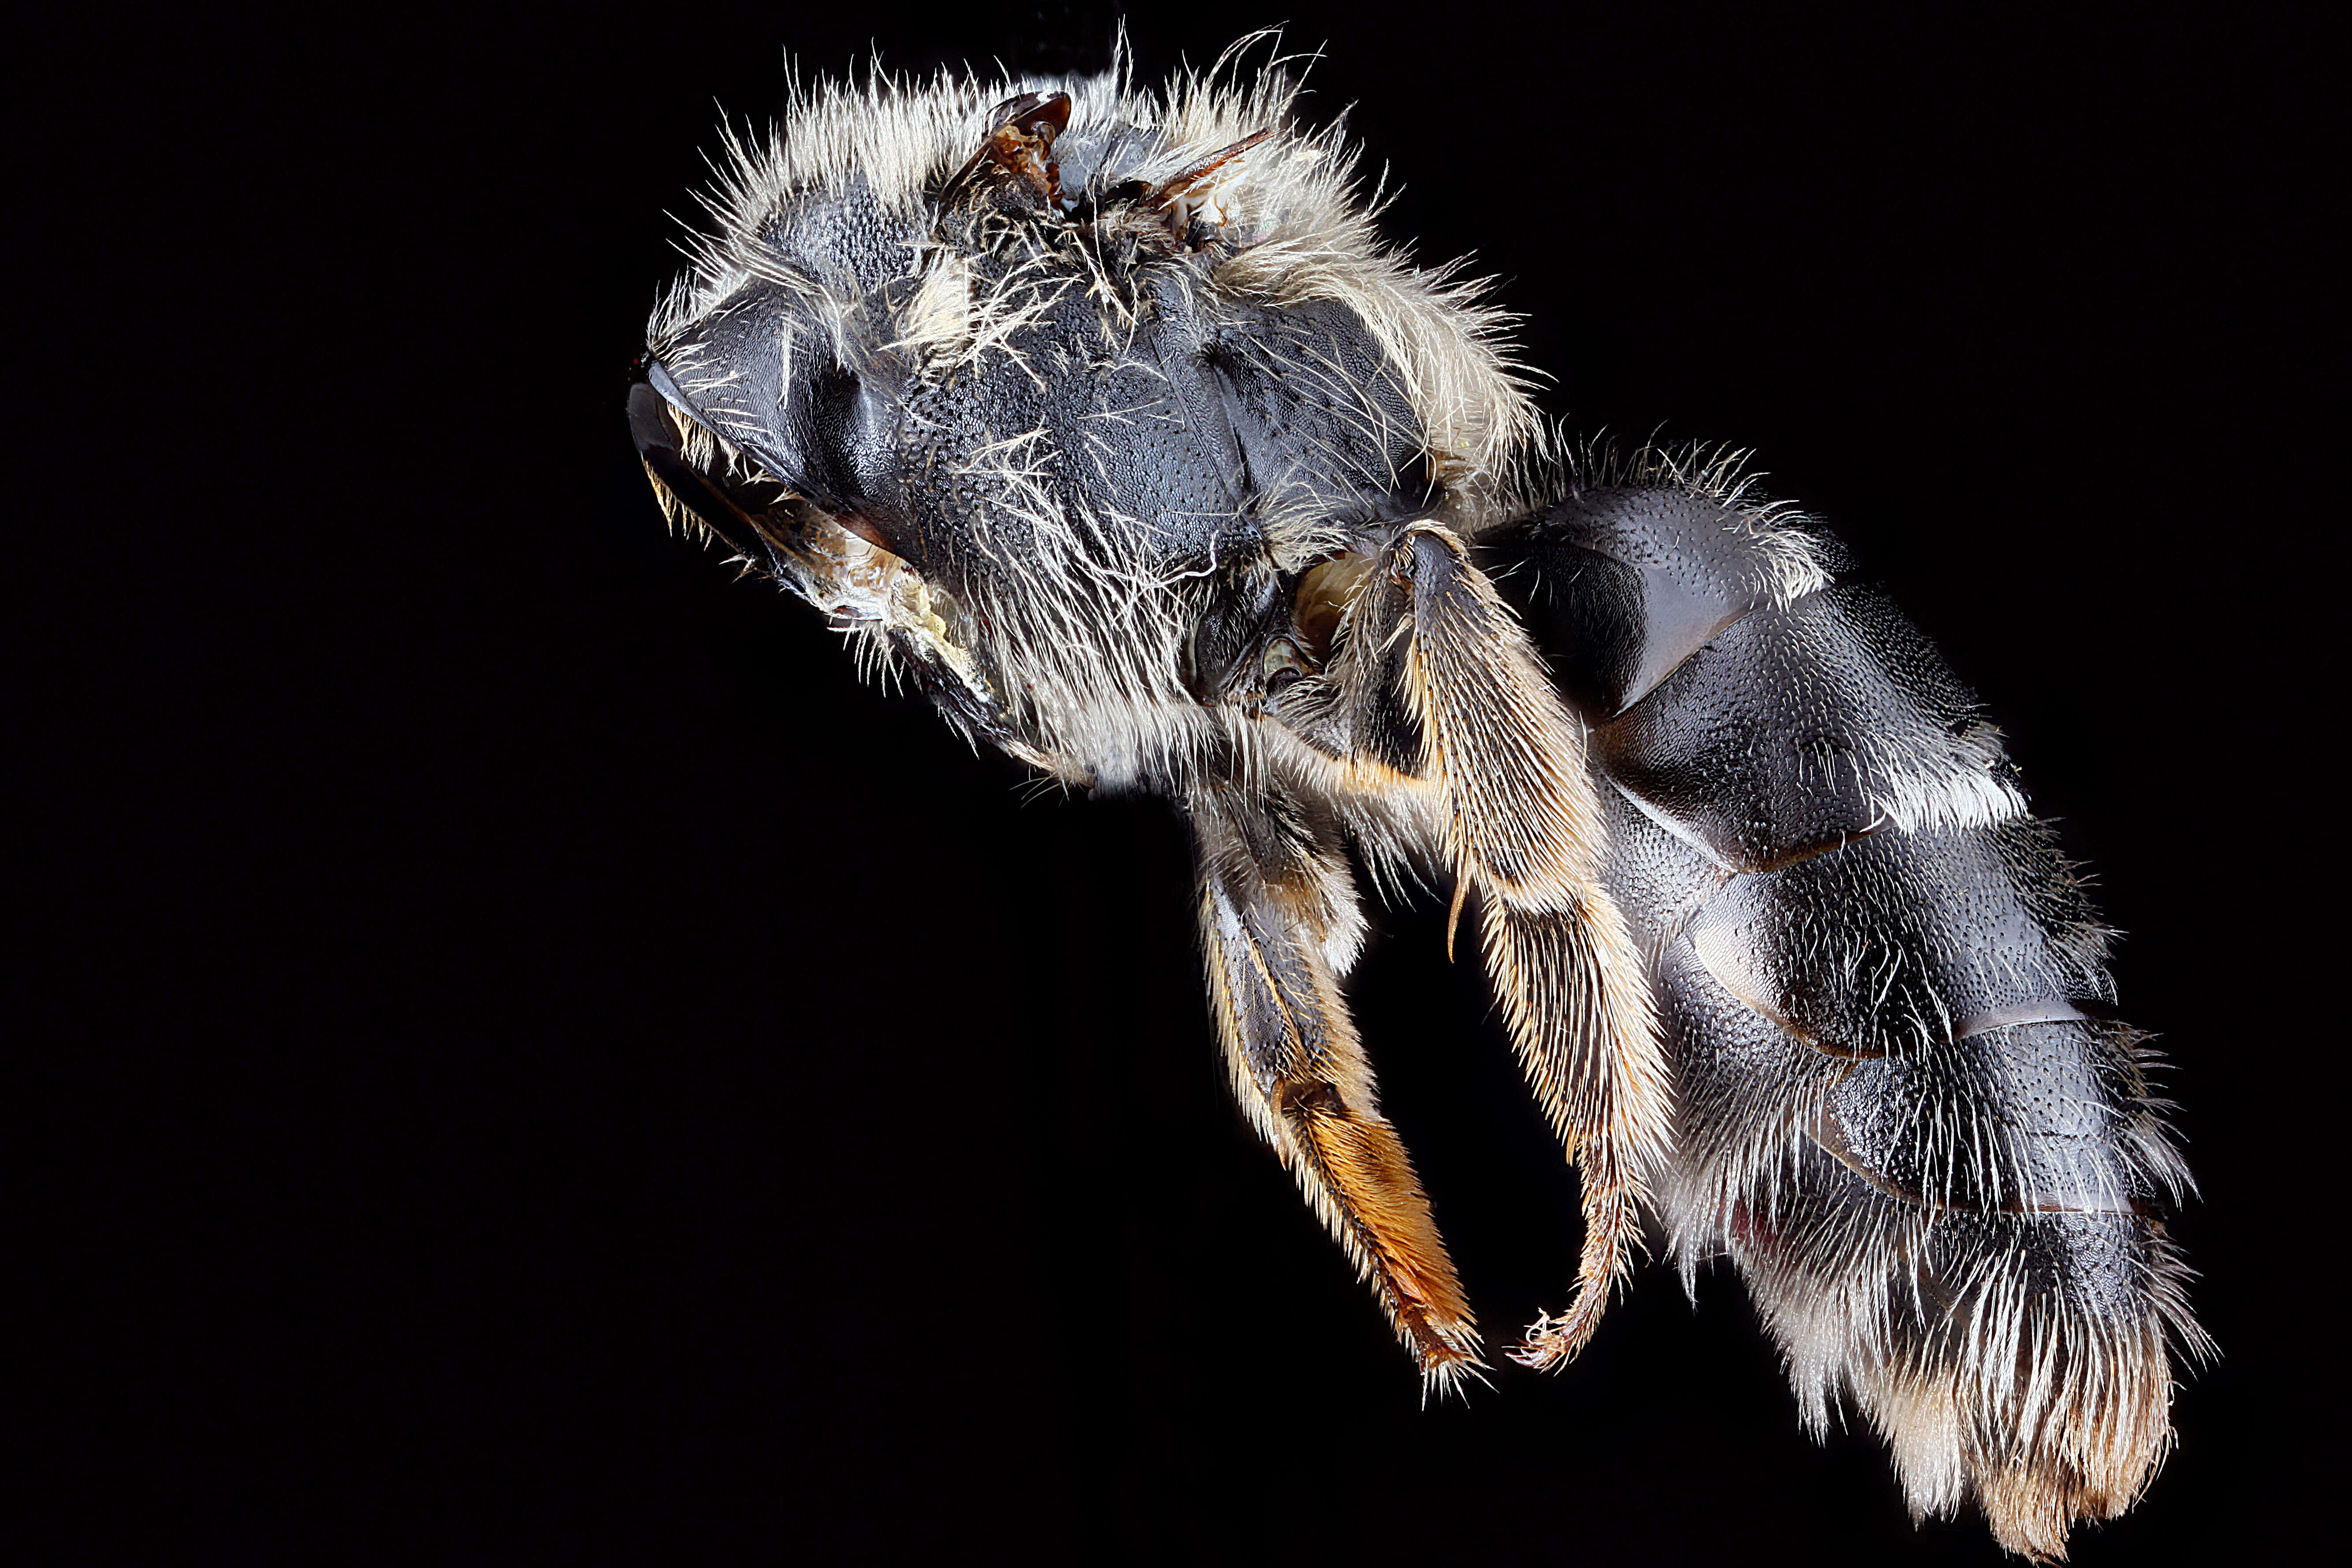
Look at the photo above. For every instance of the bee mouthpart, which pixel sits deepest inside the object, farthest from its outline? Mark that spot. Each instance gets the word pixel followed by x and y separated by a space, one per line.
pixel 689 467
pixel 835 558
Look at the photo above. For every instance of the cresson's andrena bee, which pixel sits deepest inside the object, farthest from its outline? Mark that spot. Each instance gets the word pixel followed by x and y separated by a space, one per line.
pixel 1103 417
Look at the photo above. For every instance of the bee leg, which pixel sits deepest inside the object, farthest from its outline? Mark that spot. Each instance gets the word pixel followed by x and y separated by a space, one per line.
pixel 1278 920
pixel 1519 819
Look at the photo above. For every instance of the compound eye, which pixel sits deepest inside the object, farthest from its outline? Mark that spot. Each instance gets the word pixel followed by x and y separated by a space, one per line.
pixel 1283 665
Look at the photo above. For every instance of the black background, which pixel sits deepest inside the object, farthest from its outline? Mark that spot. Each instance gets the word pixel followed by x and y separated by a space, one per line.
pixel 550 1070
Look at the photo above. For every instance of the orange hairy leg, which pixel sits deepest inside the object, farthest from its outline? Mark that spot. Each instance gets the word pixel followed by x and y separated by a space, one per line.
pixel 1279 920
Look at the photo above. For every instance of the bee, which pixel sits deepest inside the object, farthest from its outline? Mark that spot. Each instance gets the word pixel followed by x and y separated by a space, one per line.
pixel 1104 417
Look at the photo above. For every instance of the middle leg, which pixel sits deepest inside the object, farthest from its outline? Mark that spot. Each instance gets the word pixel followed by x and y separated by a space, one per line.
pixel 1278 919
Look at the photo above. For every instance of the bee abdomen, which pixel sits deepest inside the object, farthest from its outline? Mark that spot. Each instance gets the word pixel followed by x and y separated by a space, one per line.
pixel 1901 1109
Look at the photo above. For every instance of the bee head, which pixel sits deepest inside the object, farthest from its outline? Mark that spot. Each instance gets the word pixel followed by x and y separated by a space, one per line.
pixel 1052 398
